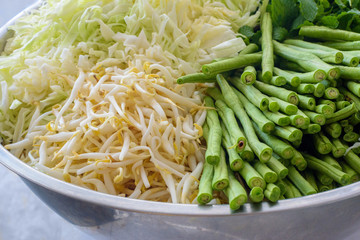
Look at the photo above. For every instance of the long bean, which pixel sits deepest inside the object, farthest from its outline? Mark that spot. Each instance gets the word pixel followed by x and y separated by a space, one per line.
pixel 231 63
pixel 267 63
pixel 333 129
pixel 235 161
pixel 260 149
pixel 220 179
pixel 283 94
pixel 212 154
pixel 256 194
pixel 325 168
pixel 268 175
pixel 272 192
pixel 252 177
pixel 237 137
pixel 300 182
pixel 322 144
pixel 282 148
pixel 249 75
pixel 235 192
pixel 252 94
pixel 325 33
pixel 286 107
pixel 277 167
pixel 256 115
pixel 205 186
pixel 291 79
pixel 342 114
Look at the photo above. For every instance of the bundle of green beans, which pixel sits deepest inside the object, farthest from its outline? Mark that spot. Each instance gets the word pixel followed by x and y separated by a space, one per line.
pixel 283 127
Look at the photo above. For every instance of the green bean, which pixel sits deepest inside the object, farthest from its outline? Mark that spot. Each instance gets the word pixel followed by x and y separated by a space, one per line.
pixel 344 123
pixel 291 190
pixel 272 192
pixel 351 158
pixel 342 104
pixel 280 183
pixel 249 75
pixel 205 186
pixel 261 150
pixel 354 176
pixel 268 175
pixel 252 177
pixel 325 168
pixel 350 96
pixel 215 94
pixel 316 117
pixel 331 93
pixel 235 161
pixel 291 79
pixel 344 46
pixel 252 94
pixel 300 182
pixel 237 137
pixel 313 128
pixel 289 133
pixel 251 48
pixel 212 154
pixel 310 177
pixel 324 109
pixel 304 88
pixel 315 76
pixel 333 129
pixel 267 63
pixel 281 93
pixel 354 87
pixel 322 144
pixel 277 167
pixel 256 194
pixel 319 89
pixel 220 179
pixel 324 179
pixel 231 63
pixel 351 137
pixel 278 118
pixel 327 102
pixel 306 102
pixel 325 53
pixel 350 61
pixel 285 107
pixel 273 105
pixel 299 121
pixel 332 161
pixel 342 114
pixel 196 78
pixel 350 73
pixel 308 61
pixel 305 124
pixel 256 115
pixel 282 148
pixel 235 192
pixel 325 33
pixel 354 119
pixel 348 128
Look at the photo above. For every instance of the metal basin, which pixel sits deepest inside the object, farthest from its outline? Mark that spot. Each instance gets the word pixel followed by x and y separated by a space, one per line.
pixel 330 215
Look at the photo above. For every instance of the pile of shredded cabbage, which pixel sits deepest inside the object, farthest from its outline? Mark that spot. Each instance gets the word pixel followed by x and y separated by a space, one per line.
pixel 88 91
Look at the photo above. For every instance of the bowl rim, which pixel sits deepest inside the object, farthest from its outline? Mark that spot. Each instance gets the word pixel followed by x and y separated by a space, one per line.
pixel 160 208
pixel 143 206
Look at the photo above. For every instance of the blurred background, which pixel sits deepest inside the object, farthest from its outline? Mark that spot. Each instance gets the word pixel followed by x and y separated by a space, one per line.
pixel 22 215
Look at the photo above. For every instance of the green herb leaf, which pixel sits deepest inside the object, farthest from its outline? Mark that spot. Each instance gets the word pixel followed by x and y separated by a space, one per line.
pixel 329 21
pixel 247 31
pixel 279 34
pixel 308 9
pixel 283 12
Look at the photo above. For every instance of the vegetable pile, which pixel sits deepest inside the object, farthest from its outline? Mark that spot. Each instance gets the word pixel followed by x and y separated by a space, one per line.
pixel 280 121
pixel 89 93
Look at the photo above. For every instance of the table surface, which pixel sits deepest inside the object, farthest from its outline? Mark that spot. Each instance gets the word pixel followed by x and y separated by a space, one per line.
pixel 23 216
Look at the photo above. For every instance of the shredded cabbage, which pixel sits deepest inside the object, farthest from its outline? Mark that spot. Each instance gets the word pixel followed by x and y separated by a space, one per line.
pixel 88 92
